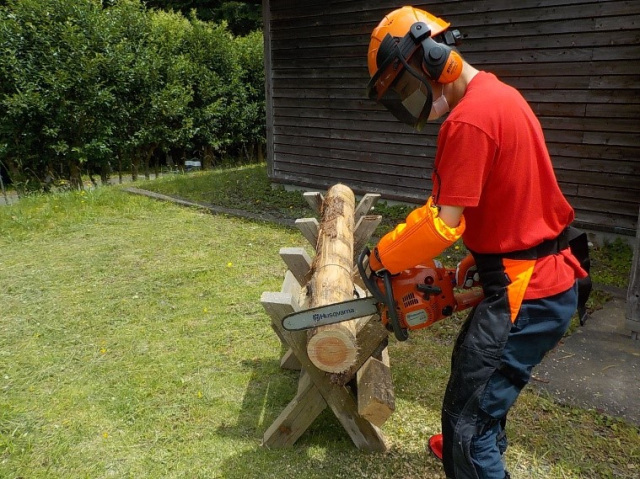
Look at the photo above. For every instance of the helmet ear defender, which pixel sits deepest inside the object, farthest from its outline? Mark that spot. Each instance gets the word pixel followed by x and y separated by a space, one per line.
pixel 440 62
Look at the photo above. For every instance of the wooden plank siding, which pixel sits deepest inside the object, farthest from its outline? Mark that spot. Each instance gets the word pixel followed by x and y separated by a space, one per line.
pixel 576 62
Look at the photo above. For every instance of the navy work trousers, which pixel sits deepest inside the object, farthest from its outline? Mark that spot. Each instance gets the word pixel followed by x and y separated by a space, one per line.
pixel 491 363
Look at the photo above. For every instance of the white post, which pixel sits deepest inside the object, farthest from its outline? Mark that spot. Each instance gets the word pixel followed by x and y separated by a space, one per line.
pixel 633 294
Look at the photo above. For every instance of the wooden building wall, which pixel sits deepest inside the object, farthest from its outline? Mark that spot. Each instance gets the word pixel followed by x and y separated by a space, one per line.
pixel 576 62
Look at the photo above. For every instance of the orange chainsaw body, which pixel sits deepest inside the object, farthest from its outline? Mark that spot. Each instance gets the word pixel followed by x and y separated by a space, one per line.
pixel 424 295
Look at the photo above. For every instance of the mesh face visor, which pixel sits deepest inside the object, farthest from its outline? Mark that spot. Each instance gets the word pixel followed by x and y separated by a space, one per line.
pixel 398 86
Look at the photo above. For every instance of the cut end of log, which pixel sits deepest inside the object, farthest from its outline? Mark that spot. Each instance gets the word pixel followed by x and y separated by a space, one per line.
pixel 333 351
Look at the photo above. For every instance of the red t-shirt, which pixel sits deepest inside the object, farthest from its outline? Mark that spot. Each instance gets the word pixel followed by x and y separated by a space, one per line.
pixel 492 159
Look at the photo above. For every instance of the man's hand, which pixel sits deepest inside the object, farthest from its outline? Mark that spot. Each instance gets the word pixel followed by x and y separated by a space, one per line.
pixel 467 273
pixel 374 262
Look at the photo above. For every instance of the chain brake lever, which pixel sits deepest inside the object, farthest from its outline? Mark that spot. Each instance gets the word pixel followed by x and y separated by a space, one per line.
pixel 387 298
pixel 401 333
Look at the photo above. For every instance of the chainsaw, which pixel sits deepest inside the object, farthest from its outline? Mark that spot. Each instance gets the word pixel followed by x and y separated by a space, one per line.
pixel 413 299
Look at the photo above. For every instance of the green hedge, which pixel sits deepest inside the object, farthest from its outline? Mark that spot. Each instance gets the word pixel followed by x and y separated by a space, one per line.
pixel 92 86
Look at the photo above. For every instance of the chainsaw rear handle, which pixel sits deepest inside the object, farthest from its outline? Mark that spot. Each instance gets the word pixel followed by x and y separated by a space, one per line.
pixel 387 298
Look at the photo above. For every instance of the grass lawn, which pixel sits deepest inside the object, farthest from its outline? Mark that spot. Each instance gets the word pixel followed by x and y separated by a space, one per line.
pixel 133 345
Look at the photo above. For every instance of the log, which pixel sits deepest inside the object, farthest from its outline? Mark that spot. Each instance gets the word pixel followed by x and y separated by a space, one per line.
pixel 333 348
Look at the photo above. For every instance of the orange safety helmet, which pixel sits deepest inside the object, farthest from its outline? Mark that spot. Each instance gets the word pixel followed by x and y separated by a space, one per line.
pixel 397 24
pixel 395 83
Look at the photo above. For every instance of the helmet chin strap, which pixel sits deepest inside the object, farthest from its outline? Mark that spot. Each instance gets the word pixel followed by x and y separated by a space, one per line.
pixel 439 107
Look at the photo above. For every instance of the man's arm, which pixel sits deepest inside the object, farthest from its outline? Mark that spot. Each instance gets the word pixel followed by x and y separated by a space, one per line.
pixel 423 237
pixel 451 215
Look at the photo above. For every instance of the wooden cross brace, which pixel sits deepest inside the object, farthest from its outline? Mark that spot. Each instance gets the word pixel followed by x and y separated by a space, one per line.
pixel 316 388
pixel 360 412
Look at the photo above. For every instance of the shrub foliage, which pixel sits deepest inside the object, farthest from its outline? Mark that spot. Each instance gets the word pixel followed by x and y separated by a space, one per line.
pixel 101 86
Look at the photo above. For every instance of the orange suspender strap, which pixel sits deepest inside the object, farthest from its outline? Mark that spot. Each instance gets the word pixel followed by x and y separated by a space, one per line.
pixel 513 270
pixel 519 271
pixel 423 237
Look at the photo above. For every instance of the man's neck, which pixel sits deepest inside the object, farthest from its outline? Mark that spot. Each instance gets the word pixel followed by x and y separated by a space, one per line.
pixel 459 87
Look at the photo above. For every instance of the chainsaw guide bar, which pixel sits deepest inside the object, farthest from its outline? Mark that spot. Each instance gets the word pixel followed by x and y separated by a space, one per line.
pixel 331 314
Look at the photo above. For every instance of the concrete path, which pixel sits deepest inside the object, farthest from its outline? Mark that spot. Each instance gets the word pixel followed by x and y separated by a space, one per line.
pixel 597 367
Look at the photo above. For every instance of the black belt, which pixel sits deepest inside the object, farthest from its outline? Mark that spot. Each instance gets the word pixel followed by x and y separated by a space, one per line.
pixel 493 277
pixel 546 248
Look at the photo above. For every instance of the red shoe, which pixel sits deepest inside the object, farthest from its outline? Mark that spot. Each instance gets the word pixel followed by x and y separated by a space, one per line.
pixel 435 445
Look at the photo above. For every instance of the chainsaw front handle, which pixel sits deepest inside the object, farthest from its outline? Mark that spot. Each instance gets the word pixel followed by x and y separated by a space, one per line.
pixel 387 298
pixel 368 280
pixel 401 333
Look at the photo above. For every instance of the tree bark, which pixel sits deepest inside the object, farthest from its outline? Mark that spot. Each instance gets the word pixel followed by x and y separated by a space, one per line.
pixel 135 165
pixel 208 157
pixel 147 160
pixel 119 167
pixel 333 348
pixel 105 173
pixel 75 174
pixel 260 148
pixel 15 175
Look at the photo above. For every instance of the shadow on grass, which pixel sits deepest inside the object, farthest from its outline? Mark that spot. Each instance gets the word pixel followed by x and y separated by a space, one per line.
pixel 266 395
pixel 263 396
pixel 325 449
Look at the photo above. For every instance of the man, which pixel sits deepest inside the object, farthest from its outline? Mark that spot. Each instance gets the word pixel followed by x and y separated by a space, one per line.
pixel 494 187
